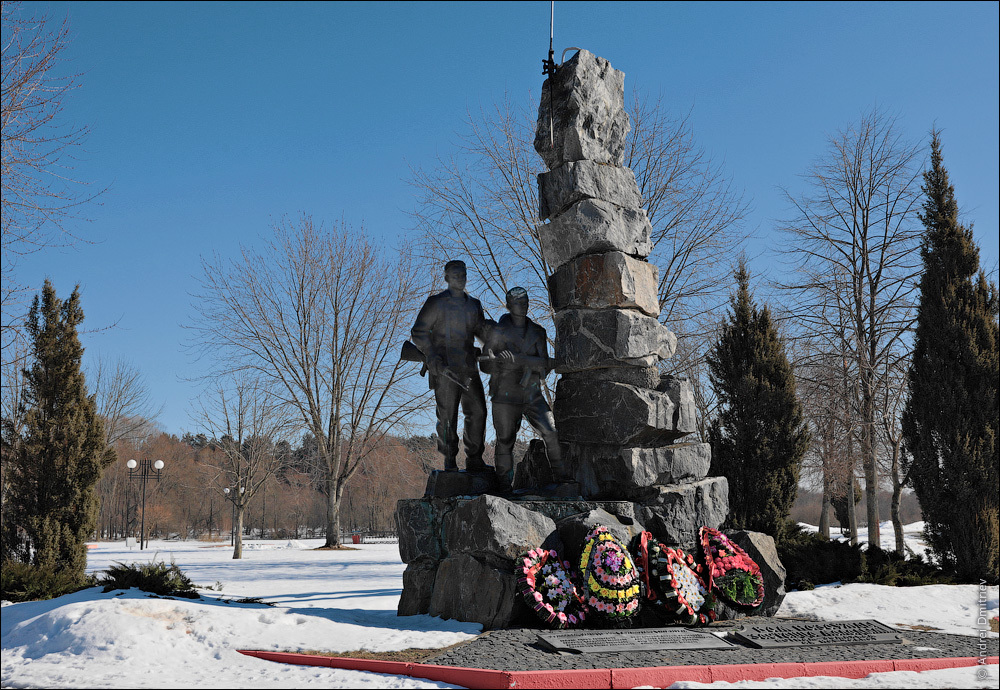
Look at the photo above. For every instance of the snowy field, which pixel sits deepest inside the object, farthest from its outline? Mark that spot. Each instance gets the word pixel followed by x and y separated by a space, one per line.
pixel 338 601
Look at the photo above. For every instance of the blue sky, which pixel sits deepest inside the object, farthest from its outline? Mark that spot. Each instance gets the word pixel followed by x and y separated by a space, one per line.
pixel 210 120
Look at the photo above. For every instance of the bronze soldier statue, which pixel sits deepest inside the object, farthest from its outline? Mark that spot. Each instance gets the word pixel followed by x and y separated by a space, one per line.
pixel 517 368
pixel 444 332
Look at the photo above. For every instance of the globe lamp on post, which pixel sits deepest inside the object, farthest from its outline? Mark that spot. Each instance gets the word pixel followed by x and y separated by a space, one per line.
pixel 141 471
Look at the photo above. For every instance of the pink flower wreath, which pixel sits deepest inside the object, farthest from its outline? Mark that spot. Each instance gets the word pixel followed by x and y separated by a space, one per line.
pixel 547 585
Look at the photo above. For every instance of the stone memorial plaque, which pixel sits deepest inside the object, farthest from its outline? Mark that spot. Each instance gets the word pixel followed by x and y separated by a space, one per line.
pixel 808 634
pixel 643 639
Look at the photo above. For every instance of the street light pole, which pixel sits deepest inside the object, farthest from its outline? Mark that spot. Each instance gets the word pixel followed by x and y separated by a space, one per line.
pixel 232 496
pixel 145 469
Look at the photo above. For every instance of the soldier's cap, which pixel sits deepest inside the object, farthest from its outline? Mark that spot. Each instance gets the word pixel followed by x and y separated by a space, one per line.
pixel 454 263
pixel 517 293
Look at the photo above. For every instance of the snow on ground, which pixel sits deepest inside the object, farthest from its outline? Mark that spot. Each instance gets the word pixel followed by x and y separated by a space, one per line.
pixel 913 536
pixel 338 601
pixel 945 608
pixel 334 601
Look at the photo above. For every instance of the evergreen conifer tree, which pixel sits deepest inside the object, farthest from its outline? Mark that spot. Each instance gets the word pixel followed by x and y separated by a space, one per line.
pixel 51 506
pixel 759 438
pixel 950 420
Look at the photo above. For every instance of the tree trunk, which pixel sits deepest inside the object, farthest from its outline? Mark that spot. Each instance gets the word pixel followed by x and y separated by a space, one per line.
pixel 238 527
pixel 897 495
pixel 868 460
pixel 852 511
pixel 332 515
pixel 824 512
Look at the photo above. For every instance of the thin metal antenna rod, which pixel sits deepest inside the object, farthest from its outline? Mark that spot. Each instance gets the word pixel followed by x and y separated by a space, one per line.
pixel 549 68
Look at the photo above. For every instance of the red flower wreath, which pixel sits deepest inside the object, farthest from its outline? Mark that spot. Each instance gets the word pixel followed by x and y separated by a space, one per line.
pixel 731 573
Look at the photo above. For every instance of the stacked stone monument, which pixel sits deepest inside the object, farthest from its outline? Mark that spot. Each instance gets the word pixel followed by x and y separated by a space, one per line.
pixel 620 419
pixel 620 422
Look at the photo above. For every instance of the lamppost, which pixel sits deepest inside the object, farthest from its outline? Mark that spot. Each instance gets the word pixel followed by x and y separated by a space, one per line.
pixel 232 497
pixel 142 474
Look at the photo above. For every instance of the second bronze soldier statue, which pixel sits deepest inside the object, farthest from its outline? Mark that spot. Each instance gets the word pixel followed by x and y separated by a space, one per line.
pixel 519 365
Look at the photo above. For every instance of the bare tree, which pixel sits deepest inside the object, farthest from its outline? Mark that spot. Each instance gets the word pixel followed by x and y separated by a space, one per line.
pixel 39 191
pixel 481 205
pixel 246 419
pixel 320 314
pixel 122 400
pixel 889 433
pixel 854 241
pixel 824 387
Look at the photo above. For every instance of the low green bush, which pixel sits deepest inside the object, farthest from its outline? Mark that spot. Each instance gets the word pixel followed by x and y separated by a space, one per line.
pixel 809 558
pixel 890 568
pixel 812 560
pixel 155 577
pixel 26 582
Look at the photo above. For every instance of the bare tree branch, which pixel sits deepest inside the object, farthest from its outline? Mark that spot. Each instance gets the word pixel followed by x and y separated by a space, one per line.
pixel 40 193
pixel 320 315
pixel 854 242
pixel 122 400
pixel 246 420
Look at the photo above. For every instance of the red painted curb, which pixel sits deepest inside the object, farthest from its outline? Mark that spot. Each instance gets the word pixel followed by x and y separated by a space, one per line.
pixel 458 675
pixel 737 672
pixel 574 678
pixel 659 676
pixel 849 669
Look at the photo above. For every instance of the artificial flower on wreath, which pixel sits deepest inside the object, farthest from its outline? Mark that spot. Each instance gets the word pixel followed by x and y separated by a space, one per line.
pixel 730 573
pixel 611 587
pixel 547 585
pixel 673 582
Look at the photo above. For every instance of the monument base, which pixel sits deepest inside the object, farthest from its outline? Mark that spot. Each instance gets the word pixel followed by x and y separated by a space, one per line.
pixel 460 551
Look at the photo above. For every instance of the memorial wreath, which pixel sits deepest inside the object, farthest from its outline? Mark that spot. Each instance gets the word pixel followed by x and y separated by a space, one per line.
pixel 547 585
pixel 610 580
pixel 673 582
pixel 730 573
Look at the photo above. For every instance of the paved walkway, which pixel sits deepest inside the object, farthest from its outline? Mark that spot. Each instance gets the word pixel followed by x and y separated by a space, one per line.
pixel 517 649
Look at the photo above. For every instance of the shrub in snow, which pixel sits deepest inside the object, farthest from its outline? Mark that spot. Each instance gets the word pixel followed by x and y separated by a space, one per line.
pixel 26 582
pixel 155 577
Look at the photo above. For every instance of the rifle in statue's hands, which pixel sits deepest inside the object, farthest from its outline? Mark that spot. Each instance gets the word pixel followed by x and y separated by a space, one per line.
pixel 540 364
pixel 411 353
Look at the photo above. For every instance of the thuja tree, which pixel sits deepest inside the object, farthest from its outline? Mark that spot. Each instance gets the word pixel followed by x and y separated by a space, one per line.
pixel 950 420
pixel 759 438
pixel 50 502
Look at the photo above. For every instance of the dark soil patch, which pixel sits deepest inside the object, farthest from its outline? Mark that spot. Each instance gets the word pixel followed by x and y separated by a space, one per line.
pixel 335 548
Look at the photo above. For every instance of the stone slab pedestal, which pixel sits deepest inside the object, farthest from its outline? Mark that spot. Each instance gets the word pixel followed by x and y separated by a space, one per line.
pixel 449 483
pixel 460 551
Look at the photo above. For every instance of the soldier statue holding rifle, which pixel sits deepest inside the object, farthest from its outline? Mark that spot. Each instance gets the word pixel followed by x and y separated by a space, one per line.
pixel 443 334
pixel 518 361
